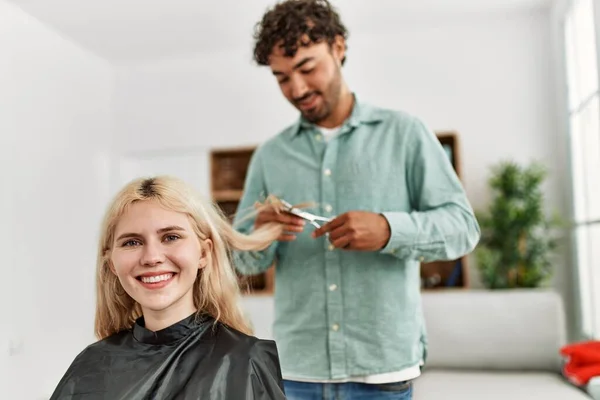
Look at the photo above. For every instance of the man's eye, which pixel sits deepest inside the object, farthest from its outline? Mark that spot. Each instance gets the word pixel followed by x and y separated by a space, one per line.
pixel 307 71
pixel 283 80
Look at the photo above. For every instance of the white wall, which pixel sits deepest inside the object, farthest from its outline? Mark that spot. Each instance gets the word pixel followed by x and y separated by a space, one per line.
pixel 55 127
pixel 489 77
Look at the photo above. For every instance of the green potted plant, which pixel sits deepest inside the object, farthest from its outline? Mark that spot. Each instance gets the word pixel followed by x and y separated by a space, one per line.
pixel 518 240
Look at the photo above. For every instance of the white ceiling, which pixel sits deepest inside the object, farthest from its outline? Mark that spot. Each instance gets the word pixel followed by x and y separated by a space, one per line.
pixel 133 30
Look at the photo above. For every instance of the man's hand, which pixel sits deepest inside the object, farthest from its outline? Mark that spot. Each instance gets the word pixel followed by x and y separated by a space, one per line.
pixel 357 230
pixel 292 224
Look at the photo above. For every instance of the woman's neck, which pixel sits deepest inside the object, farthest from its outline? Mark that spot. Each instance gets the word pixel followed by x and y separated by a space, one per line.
pixel 156 320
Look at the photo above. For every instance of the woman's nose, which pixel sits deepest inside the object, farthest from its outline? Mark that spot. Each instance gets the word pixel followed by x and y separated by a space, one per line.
pixel 153 255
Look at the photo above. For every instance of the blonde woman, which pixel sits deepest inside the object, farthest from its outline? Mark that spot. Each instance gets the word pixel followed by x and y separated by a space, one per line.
pixel 167 314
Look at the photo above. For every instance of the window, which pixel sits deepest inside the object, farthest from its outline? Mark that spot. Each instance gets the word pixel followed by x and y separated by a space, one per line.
pixel 584 123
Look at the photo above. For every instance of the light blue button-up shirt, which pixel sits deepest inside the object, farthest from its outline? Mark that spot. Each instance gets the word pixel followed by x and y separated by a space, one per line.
pixel 340 313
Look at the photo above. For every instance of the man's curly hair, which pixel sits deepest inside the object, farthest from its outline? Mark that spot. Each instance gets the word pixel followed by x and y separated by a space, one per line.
pixel 289 21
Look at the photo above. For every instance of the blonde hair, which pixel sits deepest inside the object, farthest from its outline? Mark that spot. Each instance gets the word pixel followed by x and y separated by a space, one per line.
pixel 216 289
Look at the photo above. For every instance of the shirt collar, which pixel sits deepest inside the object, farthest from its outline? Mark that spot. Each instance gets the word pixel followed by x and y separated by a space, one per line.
pixel 362 113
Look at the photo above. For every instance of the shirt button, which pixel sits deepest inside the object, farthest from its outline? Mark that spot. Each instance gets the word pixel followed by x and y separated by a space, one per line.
pixel 327 172
pixel 335 327
pixel 319 137
pixel 332 287
pixel 328 208
pixel 421 258
pixel 331 247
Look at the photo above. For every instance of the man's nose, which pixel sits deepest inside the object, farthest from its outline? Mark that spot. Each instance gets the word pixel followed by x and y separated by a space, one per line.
pixel 299 88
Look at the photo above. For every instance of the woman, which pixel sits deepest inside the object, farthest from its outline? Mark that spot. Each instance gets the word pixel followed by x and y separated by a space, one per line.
pixel 167 314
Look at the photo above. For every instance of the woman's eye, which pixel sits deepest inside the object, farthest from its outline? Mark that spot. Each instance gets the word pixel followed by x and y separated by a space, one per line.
pixel 131 243
pixel 170 238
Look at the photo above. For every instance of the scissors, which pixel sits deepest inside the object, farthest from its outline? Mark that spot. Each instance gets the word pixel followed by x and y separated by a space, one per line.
pixel 311 218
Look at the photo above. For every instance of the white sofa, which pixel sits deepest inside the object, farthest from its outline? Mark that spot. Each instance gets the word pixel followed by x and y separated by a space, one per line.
pixel 483 345
pixel 494 345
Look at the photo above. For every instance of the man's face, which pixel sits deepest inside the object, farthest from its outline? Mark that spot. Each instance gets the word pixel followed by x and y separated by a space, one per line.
pixel 311 80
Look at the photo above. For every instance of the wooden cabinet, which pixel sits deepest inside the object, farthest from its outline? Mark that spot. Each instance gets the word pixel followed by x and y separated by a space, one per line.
pixel 228 173
pixel 447 274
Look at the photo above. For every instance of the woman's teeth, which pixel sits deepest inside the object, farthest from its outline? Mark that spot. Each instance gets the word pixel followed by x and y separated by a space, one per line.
pixel 155 279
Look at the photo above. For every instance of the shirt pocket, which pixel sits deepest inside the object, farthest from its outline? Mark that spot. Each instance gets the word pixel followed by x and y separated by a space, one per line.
pixel 368 184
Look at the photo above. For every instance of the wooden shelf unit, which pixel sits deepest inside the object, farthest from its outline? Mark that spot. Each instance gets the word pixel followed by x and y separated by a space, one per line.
pixel 228 172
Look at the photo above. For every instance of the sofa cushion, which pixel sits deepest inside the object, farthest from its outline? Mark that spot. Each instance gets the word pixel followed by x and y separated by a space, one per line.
pixel 494 329
pixel 593 388
pixel 467 385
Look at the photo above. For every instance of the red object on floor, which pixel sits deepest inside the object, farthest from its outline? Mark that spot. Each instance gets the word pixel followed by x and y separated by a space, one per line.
pixel 582 361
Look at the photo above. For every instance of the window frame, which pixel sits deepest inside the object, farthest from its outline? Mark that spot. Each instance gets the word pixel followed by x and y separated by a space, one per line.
pixel 585 225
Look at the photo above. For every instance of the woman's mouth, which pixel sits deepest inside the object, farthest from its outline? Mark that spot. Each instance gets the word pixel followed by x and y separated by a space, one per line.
pixel 156 281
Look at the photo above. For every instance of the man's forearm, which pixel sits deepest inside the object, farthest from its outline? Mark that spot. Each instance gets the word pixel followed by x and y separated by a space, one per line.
pixel 254 262
pixel 445 233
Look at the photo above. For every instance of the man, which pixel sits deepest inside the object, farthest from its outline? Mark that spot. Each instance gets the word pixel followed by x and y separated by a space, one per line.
pixel 348 319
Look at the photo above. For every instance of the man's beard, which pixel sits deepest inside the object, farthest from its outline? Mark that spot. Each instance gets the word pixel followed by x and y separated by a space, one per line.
pixel 318 114
pixel 330 97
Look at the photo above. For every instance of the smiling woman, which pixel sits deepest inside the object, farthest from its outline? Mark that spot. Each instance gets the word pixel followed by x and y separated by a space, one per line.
pixel 167 314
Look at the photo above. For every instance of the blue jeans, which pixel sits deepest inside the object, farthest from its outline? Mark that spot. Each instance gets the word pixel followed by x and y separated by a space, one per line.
pixel 347 391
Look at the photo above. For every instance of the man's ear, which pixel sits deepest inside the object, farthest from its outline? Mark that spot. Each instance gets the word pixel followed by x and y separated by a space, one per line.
pixel 339 49
pixel 207 247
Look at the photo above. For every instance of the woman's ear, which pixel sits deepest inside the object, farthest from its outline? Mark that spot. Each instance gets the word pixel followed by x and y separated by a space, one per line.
pixel 207 247
pixel 108 261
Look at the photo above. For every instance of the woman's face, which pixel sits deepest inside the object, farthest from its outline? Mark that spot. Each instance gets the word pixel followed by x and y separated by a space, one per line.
pixel 156 255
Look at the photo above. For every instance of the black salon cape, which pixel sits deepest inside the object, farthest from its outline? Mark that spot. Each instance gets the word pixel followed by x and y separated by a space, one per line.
pixel 193 359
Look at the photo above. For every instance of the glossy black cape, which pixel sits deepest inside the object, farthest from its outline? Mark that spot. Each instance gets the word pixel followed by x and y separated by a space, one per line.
pixel 193 359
